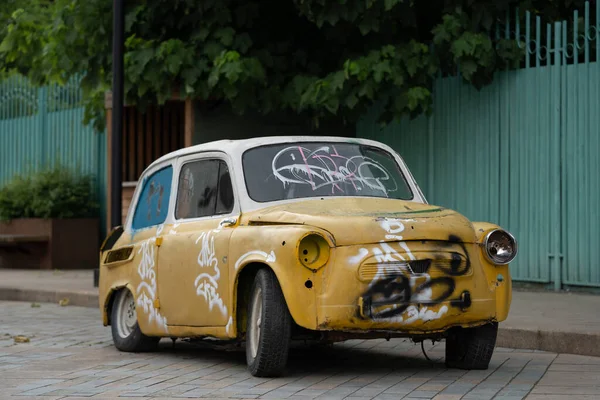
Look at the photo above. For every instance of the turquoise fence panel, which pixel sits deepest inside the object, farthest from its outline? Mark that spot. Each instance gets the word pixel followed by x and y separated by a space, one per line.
pixel 19 114
pixel 580 116
pixel 461 157
pixel 523 152
pixel 531 181
pixel 42 126
pixel 414 140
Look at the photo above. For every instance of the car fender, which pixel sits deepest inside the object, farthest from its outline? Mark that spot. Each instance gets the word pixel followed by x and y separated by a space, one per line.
pixel 276 246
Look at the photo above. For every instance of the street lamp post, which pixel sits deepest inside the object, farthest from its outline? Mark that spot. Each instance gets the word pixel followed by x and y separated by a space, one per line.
pixel 116 150
pixel 117 111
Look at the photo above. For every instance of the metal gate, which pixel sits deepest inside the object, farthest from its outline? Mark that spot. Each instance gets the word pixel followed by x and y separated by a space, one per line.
pixel 523 152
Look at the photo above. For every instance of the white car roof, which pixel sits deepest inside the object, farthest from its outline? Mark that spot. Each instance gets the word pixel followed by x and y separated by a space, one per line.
pixel 235 148
pixel 241 145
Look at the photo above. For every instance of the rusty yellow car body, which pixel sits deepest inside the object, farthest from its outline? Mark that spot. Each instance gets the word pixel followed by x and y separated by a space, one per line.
pixel 347 265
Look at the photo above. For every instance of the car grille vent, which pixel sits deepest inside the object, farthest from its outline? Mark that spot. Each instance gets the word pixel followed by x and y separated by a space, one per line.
pixel 420 266
pixel 368 272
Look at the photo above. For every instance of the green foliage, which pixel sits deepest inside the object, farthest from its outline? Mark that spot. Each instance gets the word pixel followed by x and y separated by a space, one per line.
pixel 57 192
pixel 320 58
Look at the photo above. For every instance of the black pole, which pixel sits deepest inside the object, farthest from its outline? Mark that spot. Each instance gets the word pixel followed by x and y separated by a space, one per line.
pixel 117 112
pixel 116 166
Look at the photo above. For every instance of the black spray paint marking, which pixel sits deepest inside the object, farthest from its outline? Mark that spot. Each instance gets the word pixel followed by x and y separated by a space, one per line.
pixel 396 291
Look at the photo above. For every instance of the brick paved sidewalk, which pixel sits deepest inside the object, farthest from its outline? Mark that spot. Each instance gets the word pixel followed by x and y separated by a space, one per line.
pixel 70 355
pixel 559 322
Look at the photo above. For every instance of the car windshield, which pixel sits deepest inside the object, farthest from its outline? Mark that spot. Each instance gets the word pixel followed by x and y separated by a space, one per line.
pixel 319 169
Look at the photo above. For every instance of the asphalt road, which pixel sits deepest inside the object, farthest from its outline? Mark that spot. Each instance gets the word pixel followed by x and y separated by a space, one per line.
pixel 70 355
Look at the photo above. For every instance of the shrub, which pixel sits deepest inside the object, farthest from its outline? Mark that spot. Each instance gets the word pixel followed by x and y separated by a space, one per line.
pixel 57 192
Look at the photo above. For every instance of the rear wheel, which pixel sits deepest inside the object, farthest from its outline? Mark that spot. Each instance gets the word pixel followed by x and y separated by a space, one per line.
pixel 471 348
pixel 268 331
pixel 126 332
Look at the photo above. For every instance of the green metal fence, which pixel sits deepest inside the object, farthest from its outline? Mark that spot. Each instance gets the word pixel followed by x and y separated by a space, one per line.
pixel 42 126
pixel 523 152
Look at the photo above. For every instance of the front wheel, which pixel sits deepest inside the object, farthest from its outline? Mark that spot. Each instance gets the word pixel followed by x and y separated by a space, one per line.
pixel 471 348
pixel 269 326
pixel 126 332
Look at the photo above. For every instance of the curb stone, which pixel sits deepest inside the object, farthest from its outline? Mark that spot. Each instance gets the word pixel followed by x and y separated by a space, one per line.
pixel 75 298
pixel 554 341
pixel 587 344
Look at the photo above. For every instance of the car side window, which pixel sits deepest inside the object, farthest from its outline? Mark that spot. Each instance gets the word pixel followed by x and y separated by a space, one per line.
pixel 204 190
pixel 153 202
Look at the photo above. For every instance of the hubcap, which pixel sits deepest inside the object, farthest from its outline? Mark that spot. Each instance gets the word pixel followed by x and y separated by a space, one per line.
pixel 255 322
pixel 127 315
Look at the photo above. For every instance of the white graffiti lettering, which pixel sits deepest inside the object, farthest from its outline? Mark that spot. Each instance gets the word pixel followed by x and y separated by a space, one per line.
pixel 325 167
pixel 207 285
pixel 229 325
pixel 146 290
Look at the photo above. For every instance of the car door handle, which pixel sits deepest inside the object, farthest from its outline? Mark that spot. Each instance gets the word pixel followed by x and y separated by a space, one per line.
pixel 228 222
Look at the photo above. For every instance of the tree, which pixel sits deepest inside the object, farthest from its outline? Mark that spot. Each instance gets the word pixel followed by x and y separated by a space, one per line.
pixel 322 58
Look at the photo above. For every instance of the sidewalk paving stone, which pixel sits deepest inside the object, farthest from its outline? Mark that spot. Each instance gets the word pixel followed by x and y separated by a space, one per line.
pixel 60 362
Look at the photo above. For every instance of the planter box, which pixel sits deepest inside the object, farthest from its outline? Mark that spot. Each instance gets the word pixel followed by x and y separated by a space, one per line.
pixel 58 243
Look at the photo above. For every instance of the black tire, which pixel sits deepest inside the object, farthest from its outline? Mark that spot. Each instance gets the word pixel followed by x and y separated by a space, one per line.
pixel 471 348
pixel 267 350
pixel 126 332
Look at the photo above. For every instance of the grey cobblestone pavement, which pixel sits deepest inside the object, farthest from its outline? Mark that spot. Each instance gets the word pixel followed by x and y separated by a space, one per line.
pixel 70 355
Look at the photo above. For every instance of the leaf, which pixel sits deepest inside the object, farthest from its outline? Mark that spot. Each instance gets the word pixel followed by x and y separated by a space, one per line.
pixel 461 47
pixel 351 68
pixel 212 49
pixel 416 96
pixel 21 339
pixel 63 302
pixel 366 90
pixel 412 65
pixel 173 63
pixel 380 70
pixel 243 42
pixel 225 35
pixel 468 68
pixel 332 105
pixel 351 101
pixel 337 80
pixel 389 4
pixel 365 26
pixel 142 58
pixel 191 75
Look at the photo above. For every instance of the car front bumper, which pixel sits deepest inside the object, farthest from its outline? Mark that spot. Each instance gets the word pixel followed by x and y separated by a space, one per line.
pixel 380 294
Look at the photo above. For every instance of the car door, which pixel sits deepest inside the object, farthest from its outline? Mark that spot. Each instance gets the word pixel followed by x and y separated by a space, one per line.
pixel 150 211
pixel 193 257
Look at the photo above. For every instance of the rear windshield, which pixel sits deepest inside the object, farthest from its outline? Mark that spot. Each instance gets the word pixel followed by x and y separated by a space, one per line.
pixel 321 169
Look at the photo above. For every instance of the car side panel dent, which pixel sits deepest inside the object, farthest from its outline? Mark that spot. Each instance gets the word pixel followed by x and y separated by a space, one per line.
pixel 276 247
pixel 503 295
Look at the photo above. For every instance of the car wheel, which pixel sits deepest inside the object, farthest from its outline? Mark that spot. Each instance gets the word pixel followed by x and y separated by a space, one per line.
pixel 126 332
pixel 471 348
pixel 269 325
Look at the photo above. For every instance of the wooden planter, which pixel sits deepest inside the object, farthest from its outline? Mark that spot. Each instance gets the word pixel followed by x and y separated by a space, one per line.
pixel 49 243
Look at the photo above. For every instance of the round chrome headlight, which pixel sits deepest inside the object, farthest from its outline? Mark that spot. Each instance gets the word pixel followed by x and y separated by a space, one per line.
pixel 500 247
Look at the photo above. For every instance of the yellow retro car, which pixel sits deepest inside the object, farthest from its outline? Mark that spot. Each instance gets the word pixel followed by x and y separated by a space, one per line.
pixel 273 239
